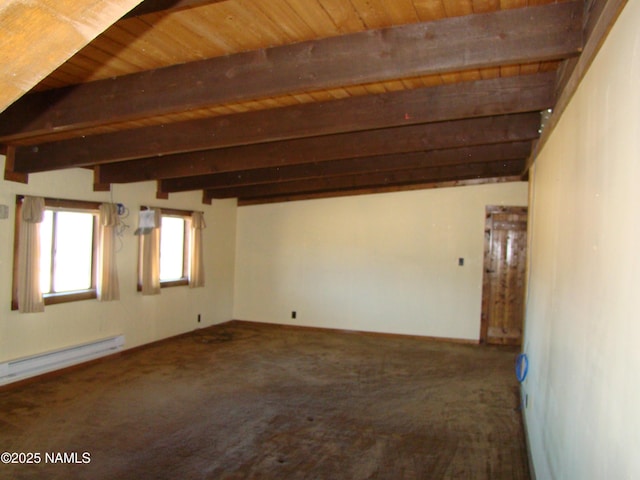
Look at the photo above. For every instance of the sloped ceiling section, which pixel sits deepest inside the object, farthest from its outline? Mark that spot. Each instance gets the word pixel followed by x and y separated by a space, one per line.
pixel 272 100
pixel 37 36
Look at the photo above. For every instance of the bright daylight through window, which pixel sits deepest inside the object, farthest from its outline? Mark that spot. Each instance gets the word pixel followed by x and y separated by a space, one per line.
pixel 172 249
pixel 66 251
pixel 65 265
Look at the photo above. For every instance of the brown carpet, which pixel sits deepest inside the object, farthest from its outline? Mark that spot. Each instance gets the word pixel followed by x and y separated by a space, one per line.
pixel 250 401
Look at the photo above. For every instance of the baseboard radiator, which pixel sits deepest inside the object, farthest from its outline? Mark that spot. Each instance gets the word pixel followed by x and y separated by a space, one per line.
pixel 21 368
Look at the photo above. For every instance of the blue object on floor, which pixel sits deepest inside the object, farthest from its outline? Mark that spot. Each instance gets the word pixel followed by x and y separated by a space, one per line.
pixel 522 367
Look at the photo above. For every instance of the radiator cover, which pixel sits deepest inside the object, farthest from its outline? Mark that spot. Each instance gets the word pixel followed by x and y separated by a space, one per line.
pixel 21 368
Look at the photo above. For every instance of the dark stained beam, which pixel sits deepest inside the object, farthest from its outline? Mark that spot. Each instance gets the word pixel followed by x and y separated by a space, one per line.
pixel 598 18
pixel 155 6
pixel 497 96
pixel 9 170
pixel 403 177
pixel 475 41
pixel 350 166
pixel 601 16
pixel 432 136
pixel 242 202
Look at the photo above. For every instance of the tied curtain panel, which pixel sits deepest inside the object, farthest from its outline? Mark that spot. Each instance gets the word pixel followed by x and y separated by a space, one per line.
pixel 196 270
pixel 150 268
pixel 30 298
pixel 108 221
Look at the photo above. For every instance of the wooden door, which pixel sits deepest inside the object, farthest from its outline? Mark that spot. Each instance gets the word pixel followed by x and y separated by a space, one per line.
pixel 504 275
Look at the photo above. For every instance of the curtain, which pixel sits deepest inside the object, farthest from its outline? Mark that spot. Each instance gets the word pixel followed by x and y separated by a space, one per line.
pixel 108 287
pixel 196 270
pixel 29 294
pixel 151 258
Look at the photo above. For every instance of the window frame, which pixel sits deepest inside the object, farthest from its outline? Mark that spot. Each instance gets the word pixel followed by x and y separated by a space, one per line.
pixel 58 204
pixel 186 249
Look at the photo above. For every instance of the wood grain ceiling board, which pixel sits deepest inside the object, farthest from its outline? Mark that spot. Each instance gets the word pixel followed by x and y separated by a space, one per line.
pixel 140 44
pixel 444 46
pixel 232 26
pixel 524 93
pixel 37 36
pixel 332 158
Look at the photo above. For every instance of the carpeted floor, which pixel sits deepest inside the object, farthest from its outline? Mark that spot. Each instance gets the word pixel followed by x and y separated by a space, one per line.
pixel 251 401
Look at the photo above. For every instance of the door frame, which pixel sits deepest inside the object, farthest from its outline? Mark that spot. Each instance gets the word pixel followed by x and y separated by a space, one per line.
pixel 486 284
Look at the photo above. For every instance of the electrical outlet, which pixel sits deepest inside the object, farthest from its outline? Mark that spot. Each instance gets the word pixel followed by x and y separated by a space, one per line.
pixel 198 318
pixel 293 314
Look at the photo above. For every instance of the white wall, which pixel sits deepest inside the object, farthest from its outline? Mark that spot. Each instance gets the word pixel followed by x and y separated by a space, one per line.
pixel 385 263
pixel 583 326
pixel 140 319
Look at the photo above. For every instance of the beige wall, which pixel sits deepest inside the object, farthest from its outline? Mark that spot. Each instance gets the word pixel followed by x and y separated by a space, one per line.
pixel 140 319
pixel 583 324
pixel 385 263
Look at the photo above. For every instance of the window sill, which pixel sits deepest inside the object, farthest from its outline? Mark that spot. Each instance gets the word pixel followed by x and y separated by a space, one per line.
pixel 64 297
pixel 181 282
pixel 175 283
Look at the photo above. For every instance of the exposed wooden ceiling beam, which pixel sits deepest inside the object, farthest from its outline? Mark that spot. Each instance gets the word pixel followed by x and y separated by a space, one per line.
pixel 497 96
pixel 600 18
pixel 429 174
pixel 39 35
pixel 432 136
pixel 155 6
pixel 373 190
pixel 404 161
pixel 475 41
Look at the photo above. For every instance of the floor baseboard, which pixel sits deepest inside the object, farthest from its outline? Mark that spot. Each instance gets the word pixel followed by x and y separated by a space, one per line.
pixel 463 341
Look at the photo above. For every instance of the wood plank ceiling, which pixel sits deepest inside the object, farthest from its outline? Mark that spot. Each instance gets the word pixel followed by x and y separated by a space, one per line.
pixel 34 24
pixel 272 100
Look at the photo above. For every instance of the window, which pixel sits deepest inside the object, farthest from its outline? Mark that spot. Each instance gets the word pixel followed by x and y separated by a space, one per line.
pixel 68 242
pixel 174 249
pixel 66 251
